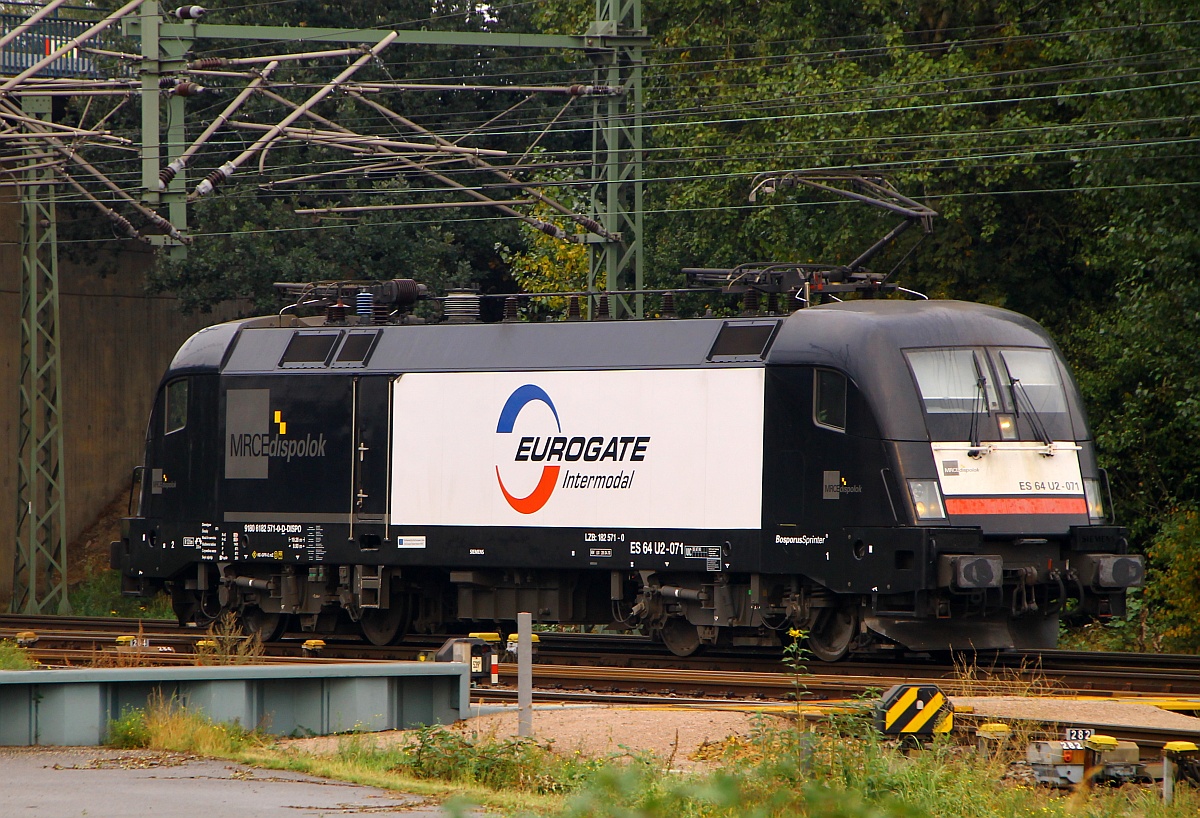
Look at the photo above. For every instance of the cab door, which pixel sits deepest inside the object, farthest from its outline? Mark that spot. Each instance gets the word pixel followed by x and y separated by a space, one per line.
pixel 371 413
pixel 169 455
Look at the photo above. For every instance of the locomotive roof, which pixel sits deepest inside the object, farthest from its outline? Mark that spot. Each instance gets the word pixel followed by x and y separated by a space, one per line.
pixel 831 335
pixel 862 338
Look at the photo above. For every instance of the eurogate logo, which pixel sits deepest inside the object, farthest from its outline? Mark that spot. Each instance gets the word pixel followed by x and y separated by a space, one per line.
pixel 560 448
pixel 508 417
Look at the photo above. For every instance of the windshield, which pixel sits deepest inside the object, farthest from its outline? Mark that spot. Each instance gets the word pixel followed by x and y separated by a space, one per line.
pixel 949 381
pixel 1036 373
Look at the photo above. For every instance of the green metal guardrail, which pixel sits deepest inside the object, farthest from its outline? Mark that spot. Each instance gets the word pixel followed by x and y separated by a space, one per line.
pixel 74 707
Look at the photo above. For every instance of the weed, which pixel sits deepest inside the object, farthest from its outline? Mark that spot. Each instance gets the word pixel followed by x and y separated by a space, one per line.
pixel 15 657
pixel 776 771
pixel 135 654
pixel 227 644
pixel 166 725
pixel 100 595
pixel 970 679
pixel 519 763
pixel 795 655
pixel 130 731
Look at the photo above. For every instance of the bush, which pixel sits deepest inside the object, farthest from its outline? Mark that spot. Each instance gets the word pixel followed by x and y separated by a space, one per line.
pixel 517 764
pixel 1173 589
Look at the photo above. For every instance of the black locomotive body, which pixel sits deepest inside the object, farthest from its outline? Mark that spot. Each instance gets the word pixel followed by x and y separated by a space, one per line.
pixel 875 473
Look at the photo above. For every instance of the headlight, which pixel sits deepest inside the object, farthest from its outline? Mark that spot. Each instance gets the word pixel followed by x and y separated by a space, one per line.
pixel 927 499
pixel 1095 500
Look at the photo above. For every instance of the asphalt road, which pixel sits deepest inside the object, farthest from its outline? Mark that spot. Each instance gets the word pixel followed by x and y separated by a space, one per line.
pixel 64 782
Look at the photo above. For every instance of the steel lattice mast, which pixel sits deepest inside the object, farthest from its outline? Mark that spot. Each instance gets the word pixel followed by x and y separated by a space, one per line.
pixel 47 151
pixel 617 154
pixel 40 561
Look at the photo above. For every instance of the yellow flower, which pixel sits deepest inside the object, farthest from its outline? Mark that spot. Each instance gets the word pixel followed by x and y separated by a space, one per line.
pixel 794 633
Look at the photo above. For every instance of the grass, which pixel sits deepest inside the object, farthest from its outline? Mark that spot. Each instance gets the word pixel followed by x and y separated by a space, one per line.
pixel 969 679
pixel 844 770
pixel 15 657
pixel 100 595
pixel 165 725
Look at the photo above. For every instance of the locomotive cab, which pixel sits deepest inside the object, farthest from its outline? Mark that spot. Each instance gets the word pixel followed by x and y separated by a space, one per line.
pixel 988 472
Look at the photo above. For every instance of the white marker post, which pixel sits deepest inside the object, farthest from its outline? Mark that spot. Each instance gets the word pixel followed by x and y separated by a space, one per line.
pixel 524 674
pixel 1173 751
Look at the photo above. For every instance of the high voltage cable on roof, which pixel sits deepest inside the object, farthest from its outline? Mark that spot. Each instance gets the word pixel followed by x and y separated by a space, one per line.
pixel 912 108
pixel 850 92
pixel 935 157
pixel 809 99
pixel 853 53
pixel 893 143
pixel 711 208
pixel 747 207
pixel 889 164
pixel 942 80
pixel 677 85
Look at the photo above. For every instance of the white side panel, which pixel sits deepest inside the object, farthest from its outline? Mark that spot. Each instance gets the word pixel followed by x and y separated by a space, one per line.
pixel 621 449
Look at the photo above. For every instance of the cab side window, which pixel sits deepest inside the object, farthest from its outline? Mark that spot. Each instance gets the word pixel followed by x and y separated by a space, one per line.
pixel 175 403
pixel 829 399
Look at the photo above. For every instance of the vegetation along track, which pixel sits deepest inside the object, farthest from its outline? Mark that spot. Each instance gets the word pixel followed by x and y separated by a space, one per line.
pixel 630 664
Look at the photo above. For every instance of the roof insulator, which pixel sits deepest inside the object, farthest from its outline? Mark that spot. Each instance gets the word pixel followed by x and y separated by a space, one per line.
pixel 187 88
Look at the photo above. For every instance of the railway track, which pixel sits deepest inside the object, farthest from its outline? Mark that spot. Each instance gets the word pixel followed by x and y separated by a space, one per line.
pixel 578 668
pixel 616 664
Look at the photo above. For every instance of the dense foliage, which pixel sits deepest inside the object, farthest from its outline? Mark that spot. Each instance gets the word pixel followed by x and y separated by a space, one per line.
pixel 1055 138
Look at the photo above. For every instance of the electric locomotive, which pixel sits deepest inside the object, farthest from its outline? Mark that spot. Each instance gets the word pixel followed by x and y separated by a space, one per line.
pixel 878 474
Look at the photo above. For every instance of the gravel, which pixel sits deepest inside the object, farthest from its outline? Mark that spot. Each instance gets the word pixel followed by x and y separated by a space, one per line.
pixel 1091 712
pixel 671 734
pixel 674 734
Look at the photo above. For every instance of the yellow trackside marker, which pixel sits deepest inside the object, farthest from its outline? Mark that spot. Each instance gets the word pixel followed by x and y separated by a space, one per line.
pixel 900 707
pixel 914 709
pixel 925 714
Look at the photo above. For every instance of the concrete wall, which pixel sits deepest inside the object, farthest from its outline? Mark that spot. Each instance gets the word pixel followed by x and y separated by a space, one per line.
pixel 115 343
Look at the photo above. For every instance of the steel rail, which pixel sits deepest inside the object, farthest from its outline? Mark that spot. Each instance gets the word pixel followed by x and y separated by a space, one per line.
pixel 615 659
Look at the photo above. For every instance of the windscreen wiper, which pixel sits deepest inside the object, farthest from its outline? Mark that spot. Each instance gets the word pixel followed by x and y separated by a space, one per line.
pixel 980 405
pixel 1035 420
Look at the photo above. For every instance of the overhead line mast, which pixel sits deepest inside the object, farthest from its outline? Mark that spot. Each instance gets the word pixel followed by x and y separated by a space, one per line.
pixel 614 42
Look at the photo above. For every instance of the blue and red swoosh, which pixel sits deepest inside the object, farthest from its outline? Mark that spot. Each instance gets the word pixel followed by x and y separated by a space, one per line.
pixel 508 417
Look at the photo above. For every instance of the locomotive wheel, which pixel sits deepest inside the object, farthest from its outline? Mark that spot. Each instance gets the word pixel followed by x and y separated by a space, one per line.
pixel 833 633
pixel 268 626
pixel 382 627
pixel 680 637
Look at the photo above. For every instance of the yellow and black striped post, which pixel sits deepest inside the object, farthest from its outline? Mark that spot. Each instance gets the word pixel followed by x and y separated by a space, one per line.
pixel 914 710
